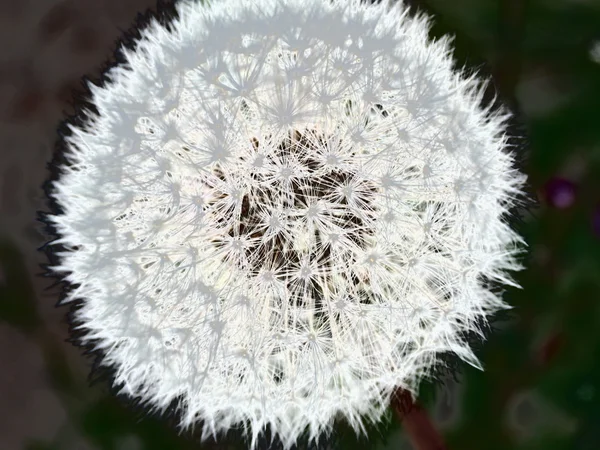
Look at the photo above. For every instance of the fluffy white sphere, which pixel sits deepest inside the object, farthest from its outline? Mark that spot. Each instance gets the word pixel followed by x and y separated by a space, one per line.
pixel 284 210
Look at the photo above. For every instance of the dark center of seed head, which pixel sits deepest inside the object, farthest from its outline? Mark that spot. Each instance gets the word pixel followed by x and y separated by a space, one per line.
pixel 299 192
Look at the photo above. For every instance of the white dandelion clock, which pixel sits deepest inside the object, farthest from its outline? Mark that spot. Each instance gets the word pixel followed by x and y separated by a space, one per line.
pixel 283 210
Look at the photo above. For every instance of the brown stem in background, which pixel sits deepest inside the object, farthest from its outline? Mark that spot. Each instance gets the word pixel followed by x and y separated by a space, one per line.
pixel 416 423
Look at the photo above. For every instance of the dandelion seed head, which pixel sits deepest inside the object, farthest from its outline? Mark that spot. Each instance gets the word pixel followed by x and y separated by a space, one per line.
pixel 283 211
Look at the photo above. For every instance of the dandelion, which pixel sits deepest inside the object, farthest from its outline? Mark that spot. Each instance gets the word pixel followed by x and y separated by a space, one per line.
pixel 280 211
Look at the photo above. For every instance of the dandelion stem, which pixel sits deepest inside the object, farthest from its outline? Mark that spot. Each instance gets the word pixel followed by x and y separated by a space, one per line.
pixel 416 423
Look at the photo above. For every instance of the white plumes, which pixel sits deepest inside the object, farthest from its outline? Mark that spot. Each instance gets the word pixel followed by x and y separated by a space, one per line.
pixel 283 211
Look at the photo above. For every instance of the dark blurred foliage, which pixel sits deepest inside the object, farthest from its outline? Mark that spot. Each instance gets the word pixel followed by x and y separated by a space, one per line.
pixel 541 384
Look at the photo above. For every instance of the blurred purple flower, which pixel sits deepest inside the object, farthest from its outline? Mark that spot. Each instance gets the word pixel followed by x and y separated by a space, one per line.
pixel 560 192
pixel 596 221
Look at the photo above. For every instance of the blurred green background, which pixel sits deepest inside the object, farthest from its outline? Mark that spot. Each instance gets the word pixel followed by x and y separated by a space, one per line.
pixel 541 384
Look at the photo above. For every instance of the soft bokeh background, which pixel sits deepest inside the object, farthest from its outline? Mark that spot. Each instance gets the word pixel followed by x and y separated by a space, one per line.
pixel 541 386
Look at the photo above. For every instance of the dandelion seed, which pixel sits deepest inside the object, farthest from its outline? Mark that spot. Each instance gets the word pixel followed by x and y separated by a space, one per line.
pixel 282 211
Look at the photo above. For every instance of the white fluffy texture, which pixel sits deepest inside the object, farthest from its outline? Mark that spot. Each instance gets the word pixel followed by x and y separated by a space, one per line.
pixel 339 288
